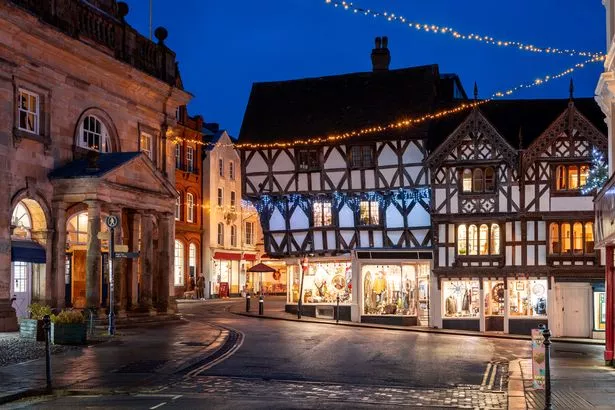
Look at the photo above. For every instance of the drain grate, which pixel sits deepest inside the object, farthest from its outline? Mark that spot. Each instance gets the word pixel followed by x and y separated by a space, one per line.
pixel 230 342
pixel 142 366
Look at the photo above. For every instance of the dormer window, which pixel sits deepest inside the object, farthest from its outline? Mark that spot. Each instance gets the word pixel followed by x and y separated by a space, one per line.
pixel 94 135
pixel 570 178
pixel 479 180
pixel 308 160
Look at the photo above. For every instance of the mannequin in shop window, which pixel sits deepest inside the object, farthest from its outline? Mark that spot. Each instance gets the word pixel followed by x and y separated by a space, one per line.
pixel 451 306
pixel 467 301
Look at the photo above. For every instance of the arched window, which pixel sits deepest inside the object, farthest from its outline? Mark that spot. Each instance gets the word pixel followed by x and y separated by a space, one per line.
pixel 489 180
pixel 573 177
pixel 495 239
pixel 192 259
pixel 77 229
pixel 577 234
pixel 467 180
pixel 554 236
pixel 93 135
pixel 477 180
pixel 589 237
pixel 472 240
pixel 221 234
pixel 560 175
pixel 233 235
pixel 179 263
pixel 566 237
pixel 461 240
pixel 483 240
pixel 189 207
pixel 22 221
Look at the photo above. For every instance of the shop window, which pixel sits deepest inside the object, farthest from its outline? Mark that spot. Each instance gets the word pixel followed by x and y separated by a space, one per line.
pixel 527 298
pixel 571 238
pixel 249 233
pixel 462 240
pixel 361 156
pixel 308 160
pixel 494 297
pixel 322 213
pixel 599 311
pixel 28 111
pixel 467 180
pixel 221 234
pixel 483 240
pixel 323 282
pixel 179 263
pixel 400 290
pixel 461 299
pixel 369 213
pixel 571 177
pixel 189 208
pixel 478 180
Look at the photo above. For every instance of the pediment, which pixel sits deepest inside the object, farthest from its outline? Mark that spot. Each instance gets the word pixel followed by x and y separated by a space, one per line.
pixel 140 174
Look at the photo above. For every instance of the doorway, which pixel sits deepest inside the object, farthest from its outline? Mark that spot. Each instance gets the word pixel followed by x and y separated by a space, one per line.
pixel 21 280
pixel 576 304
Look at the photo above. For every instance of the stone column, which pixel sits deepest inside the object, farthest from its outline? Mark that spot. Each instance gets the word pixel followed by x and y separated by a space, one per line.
pixel 172 303
pixel 59 254
pixel 164 259
pixel 146 257
pixel 47 281
pixel 93 258
pixel 132 265
pixel 119 271
pixel 8 318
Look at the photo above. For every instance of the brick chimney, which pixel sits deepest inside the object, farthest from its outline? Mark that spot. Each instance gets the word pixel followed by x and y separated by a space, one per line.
pixel 381 57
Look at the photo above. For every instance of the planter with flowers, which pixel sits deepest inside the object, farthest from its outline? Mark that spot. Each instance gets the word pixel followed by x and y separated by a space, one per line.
pixel 32 328
pixel 68 328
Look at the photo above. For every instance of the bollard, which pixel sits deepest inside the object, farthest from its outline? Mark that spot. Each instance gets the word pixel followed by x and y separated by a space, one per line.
pixel 337 316
pixel 261 306
pixel 248 303
pixel 47 329
pixel 546 333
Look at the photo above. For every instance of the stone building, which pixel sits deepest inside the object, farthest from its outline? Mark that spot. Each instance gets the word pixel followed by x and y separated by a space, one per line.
pixel 83 135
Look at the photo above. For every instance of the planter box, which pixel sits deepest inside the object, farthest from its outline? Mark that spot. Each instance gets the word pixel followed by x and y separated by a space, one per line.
pixel 32 329
pixel 68 333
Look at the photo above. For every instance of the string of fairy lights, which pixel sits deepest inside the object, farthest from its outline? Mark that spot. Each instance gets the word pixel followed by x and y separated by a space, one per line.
pixel 455 34
pixel 401 124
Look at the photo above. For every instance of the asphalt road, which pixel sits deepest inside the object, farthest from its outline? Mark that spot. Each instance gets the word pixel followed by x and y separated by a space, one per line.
pixel 281 364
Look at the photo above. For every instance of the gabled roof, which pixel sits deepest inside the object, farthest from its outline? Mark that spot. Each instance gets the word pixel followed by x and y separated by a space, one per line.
pixel 283 110
pixel 81 168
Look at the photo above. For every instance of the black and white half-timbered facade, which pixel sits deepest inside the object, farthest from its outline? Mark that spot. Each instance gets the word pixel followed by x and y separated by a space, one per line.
pixel 514 234
pixel 359 209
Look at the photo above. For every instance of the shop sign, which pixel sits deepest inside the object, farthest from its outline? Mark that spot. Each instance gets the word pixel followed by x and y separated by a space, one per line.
pixel 538 359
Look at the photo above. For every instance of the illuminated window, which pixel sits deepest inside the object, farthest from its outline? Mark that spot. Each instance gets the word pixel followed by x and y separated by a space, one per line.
pixel 589 237
pixel 146 144
pixel 566 238
pixel 20 276
pixel 322 213
pixel 179 263
pixel 560 175
pixel 571 177
pixel 577 235
pixel 583 174
pixel 94 135
pixel 467 180
pixel 192 258
pixel 554 234
pixel 495 239
pixel 369 213
pixel 472 240
pixel 462 240
pixel 22 222
pixel 483 240
pixel 28 111
pixel 478 180
pixel 576 238
pixel 189 208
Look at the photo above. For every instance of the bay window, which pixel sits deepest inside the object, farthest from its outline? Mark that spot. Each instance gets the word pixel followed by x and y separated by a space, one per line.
pixel 574 238
pixel 477 180
pixel 478 240
pixel 570 177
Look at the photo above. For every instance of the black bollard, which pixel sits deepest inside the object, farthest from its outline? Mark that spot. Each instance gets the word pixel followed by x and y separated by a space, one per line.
pixel 546 333
pixel 248 303
pixel 261 306
pixel 47 329
pixel 337 316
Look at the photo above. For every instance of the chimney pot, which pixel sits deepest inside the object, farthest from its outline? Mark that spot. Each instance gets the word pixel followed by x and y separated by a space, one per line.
pixel 381 57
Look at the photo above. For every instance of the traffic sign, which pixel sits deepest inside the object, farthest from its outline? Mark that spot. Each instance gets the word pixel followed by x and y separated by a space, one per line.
pixel 121 248
pixel 111 221
pixel 129 255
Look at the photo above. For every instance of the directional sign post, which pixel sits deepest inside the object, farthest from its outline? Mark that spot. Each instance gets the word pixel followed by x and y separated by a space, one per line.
pixel 129 255
pixel 111 222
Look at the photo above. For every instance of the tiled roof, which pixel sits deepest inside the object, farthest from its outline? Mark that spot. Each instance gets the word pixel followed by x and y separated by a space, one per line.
pixel 81 168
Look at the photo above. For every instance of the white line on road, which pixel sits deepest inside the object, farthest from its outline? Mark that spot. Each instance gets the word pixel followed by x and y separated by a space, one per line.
pixel 486 375
pixel 158 405
pixel 492 378
pixel 176 397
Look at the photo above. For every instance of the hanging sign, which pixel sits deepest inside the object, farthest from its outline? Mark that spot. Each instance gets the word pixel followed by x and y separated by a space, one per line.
pixel 121 248
pixel 538 359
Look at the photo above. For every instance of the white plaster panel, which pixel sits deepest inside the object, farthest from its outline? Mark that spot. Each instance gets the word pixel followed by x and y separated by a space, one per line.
pixel 577 203
pixel 330 240
pixel 388 174
pixel 347 236
pixel 542 255
pixel 529 197
pixel 299 220
pixel 530 256
pixel 451 255
pixel 335 160
pixel 518 255
pixel 412 154
pixel 515 195
pixel 378 240
pixel 544 199
pixel 299 238
pixel 394 236
pixel 502 202
pixel 419 234
pixel 315 181
pixel 439 198
pixel 283 162
pixel 277 222
pixel 454 204
pixel 418 216
pixel 517 230
pixel 542 231
pixel 393 217
pixel 256 180
pixel 364 235
pixel 302 183
pixel 414 173
pixel 508 230
pixel 530 230
pixel 441 232
pixel 335 177
pixel 441 256
pixel 278 238
pixel 318 242
pixel 283 180
pixel 509 256
pixel 356 179
pixel 387 157
pixel 370 179
pixel 256 164
pixel 346 217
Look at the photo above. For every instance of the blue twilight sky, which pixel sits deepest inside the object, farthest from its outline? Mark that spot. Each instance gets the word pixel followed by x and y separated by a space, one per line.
pixel 223 46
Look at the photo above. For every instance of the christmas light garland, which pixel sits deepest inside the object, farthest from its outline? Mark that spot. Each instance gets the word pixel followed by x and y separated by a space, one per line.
pixel 598 173
pixel 449 31
pixel 405 123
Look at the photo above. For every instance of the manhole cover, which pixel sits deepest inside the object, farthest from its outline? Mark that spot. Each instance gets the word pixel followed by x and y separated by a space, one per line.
pixel 143 366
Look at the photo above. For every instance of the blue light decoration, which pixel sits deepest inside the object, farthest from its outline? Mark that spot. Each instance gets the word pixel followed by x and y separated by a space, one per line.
pixel 263 203
pixel 598 173
pixel 407 196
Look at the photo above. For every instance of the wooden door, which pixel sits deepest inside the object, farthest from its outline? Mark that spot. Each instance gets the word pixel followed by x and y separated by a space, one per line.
pixel 78 273
pixel 576 308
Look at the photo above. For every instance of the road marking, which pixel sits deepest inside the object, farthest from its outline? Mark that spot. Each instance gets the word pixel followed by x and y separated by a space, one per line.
pixel 229 353
pixel 158 405
pixel 486 375
pixel 176 397
pixel 492 379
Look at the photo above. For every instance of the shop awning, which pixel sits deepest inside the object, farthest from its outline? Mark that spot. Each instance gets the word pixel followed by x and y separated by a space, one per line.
pixel 249 257
pixel 227 256
pixel 27 251
pixel 262 268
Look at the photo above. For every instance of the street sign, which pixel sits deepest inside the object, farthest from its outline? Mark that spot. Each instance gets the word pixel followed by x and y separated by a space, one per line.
pixel 111 221
pixel 121 248
pixel 130 255
pixel 538 359
pixel 103 236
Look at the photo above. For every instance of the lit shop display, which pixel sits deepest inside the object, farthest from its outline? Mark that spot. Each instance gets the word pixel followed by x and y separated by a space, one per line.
pixel 461 299
pixel 527 298
pixel 494 297
pixel 599 310
pixel 272 283
pixel 322 283
pixel 395 289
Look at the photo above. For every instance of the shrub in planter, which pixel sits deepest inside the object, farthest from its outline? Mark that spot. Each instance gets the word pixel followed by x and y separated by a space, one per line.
pixel 68 328
pixel 33 328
